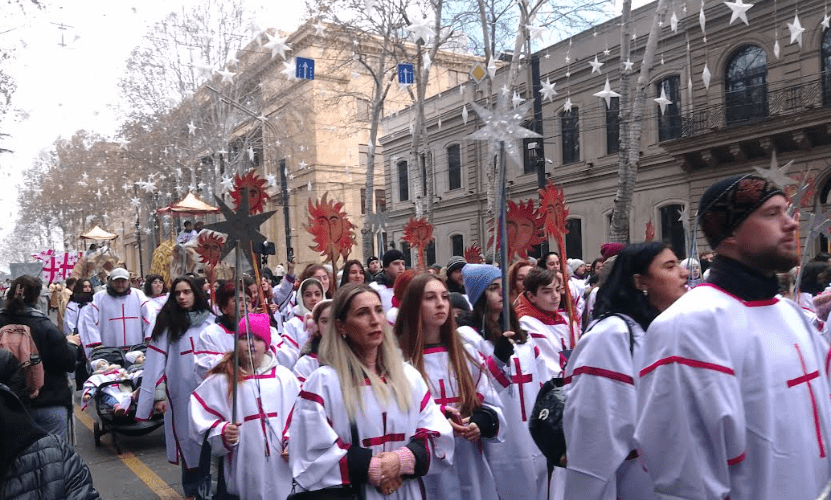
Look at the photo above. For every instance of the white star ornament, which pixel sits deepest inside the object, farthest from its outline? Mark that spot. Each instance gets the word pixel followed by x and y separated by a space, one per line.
pixel 595 64
pixel 739 11
pixel 607 93
pixel 796 30
pixel 547 90
pixel 662 101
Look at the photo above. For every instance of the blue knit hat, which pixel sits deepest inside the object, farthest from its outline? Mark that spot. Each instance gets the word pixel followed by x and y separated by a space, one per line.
pixel 477 278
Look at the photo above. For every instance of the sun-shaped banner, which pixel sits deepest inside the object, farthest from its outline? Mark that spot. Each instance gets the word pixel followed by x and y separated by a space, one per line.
pixel 333 233
pixel 473 254
pixel 524 229
pixel 209 247
pixel 419 234
pixel 650 231
pixel 553 210
pixel 256 191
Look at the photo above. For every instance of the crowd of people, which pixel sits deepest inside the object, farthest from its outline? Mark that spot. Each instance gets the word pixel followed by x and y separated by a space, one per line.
pixel 680 379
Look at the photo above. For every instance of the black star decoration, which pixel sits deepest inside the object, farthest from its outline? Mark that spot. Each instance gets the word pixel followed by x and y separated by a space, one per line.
pixel 241 228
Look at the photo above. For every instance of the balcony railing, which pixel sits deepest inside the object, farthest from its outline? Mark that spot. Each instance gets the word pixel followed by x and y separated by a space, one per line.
pixel 784 101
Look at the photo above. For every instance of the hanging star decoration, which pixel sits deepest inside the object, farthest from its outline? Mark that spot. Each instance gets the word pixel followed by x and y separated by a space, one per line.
pixel 491 68
pixel 796 30
pixel 627 65
pixel 547 90
pixel 826 21
pixel 536 33
pixel 775 174
pixel 567 105
pixel 607 93
pixel 702 20
pixel 271 180
pixel 290 69
pixel 673 22
pixel 516 100
pixel 739 11
pixel 595 64
pixel 662 101
pixel 241 227
pixel 464 114
pixel 135 202
pixel 705 76
pixel 191 128
pixel 126 187
pixel 776 48
pixel 277 46
pixel 505 90
pixel 798 199
pixel 302 165
pixel 149 187
pixel 503 126
pixel 227 76
pixel 319 29
pixel 420 29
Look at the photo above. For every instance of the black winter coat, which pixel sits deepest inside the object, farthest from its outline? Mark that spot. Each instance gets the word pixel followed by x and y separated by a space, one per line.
pixel 57 354
pixel 12 375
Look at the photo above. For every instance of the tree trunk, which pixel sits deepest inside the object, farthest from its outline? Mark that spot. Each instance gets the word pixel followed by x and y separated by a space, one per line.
pixel 367 235
pixel 632 125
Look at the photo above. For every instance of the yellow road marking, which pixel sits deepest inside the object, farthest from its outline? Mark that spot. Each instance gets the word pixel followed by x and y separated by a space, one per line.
pixel 156 484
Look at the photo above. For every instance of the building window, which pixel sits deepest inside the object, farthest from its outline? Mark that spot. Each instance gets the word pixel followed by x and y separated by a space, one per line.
pixel 405 249
pixel 457 245
pixel 454 167
pixel 745 83
pixel 574 239
pixel 403 179
pixel 380 201
pixel 430 253
pixel 613 126
pixel 532 152
pixel 672 229
pixel 826 68
pixel 569 121
pixel 669 122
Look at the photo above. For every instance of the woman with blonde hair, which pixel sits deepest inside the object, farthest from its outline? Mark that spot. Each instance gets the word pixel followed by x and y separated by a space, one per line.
pixel 365 420
pixel 459 383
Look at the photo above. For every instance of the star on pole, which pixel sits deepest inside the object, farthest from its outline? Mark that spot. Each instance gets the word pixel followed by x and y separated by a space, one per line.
pixel 277 46
pixel 503 126
pixel 662 101
pixel 242 228
pixel 775 174
pixel 739 11
pixel 595 64
pixel 607 93
pixel 547 90
pixel 796 30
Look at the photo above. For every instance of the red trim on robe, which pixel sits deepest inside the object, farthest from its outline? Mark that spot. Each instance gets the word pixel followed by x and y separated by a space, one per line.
pixel 746 303
pixel 602 372
pixel 151 346
pixel 206 407
pixel 737 460
pixel 293 342
pixel 497 373
pixel 433 350
pixel 310 396
pixel 424 400
pixel 689 362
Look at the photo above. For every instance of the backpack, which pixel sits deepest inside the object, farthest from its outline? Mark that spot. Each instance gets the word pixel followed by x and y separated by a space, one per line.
pixel 546 420
pixel 18 340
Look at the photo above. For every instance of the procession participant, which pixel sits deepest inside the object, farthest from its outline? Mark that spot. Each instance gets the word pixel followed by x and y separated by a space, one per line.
pixel 118 316
pixel 319 273
pixel 551 261
pixel 170 360
pixel 317 326
pixel 365 385
pixel 601 402
pixel 187 233
pixel 353 272
pixel 393 261
pixel 401 283
pixel 155 289
pixel 740 370
pixel 373 267
pixel 455 282
pixel 283 295
pixel 81 296
pixel 51 408
pixel 537 311
pixel 814 280
pixel 295 334
pixel 454 372
pixel 254 448
pixel 516 275
pixel 517 370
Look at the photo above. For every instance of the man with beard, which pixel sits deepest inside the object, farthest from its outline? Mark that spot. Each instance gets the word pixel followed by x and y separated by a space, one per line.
pixel 733 390
pixel 118 315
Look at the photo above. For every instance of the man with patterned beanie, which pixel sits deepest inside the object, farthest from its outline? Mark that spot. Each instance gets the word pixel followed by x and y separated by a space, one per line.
pixel 733 386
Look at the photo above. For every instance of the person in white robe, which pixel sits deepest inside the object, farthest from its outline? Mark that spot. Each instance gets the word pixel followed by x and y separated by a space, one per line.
pixel 733 391
pixel 295 331
pixel 170 361
pixel 401 433
pixel 155 289
pixel 393 262
pixel 81 297
pixel 517 371
pixel 119 315
pixel 309 361
pixel 459 383
pixel 254 449
pixel 601 402
pixel 536 308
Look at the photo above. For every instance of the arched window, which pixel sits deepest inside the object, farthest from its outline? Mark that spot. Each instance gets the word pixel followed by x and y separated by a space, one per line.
pixel 745 84
pixel 826 68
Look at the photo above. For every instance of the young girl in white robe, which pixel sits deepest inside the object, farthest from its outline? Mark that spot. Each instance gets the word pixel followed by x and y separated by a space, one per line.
pixel 459 384
pixel 317 325
pixel 254 449
pixel 170 360
pixel 295 333
pixel 401 433
pixel 517 370
pixel 536 308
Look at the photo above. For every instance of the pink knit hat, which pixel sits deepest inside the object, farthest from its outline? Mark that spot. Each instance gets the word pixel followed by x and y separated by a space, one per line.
pixel 260 327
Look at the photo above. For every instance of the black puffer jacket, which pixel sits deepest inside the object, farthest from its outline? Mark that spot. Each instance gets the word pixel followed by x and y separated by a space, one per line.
pixel 57 354
pixel 35 465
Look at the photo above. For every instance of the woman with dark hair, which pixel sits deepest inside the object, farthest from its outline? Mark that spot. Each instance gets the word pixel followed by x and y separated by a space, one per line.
pixel 365 418
pixel 454 372
pixel 815 277
pixel 295 333
pixel 82 294
pixel 550 261
pixel 51 407
pixel 516 276
pixel 517 370
pixel 170 359
pixel 317 326
pixel 601 402
pixel 156 291
pixel 322 275
pixel 353 272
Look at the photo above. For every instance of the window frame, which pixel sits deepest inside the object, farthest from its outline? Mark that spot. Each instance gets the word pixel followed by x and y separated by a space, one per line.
pixel 669 122
pixel 570 134
pixel 745 93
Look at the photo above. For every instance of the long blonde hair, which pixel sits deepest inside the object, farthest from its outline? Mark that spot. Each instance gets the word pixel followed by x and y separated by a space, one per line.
pixel 336 352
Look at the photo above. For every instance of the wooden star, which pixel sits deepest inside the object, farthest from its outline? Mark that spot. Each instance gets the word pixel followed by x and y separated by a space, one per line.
pixel 243 229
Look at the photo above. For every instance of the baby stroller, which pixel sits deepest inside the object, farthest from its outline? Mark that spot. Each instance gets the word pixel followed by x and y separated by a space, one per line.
pixel 110 423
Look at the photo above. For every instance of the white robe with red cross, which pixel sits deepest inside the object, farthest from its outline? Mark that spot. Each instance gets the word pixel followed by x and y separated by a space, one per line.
pixel 254 469
pixel 214 342
pixel 470 475
pixel 116 321
pixel 734 400
pixel 551 336
pixel 600 415
pixel 173 363
pixel 305 366
pixel 321 434
pixel 295 337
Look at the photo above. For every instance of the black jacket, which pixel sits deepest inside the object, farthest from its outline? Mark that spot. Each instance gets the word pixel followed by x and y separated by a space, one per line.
pixel 35 465
pixel 12 375
pixel 57 354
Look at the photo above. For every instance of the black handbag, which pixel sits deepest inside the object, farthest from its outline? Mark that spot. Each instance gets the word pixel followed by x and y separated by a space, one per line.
pixel 343 492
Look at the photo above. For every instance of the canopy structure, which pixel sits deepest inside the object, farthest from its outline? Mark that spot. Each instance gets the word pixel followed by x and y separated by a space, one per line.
pixel 97 233
pixel 189 206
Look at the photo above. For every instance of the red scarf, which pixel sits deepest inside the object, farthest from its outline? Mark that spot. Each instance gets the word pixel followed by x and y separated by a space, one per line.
pixel 526 308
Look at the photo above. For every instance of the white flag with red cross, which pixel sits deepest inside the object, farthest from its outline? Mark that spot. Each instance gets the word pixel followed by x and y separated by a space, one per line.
pixel 57 266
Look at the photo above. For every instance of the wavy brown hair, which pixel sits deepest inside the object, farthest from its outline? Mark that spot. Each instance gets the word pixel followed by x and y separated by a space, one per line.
pixel 410 333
